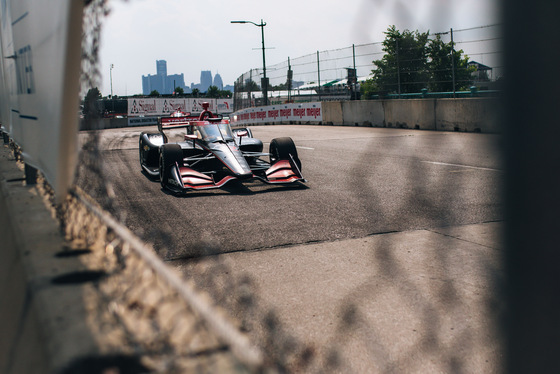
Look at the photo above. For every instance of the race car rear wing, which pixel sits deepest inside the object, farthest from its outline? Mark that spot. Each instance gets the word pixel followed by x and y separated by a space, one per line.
pixel 175 122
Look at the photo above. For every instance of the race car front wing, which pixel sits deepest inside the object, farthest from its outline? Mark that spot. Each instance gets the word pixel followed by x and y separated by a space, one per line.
pixel 281 172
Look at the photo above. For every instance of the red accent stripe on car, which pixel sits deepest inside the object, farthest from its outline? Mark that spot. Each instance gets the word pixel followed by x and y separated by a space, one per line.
pixel 208 186
pixel 281 164
pixel 285 173
pixel 186 172
pixel 285 180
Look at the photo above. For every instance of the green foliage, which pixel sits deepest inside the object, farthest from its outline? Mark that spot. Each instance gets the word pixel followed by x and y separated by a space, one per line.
pixel 195 92
pixel 404 62
pixel 179 90
pixel 91 104
pixel 213 92
pixel 280 87
pixel 441 58
pixel 249 86
pixel 413 62
pixel 92 94
pixel 154 93
pixel 216 93
pixel 368 89
pixel 226 93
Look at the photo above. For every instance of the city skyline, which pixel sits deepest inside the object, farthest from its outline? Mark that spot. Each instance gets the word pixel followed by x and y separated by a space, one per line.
pixel 166 84
pixel 162 82
pixel 292 30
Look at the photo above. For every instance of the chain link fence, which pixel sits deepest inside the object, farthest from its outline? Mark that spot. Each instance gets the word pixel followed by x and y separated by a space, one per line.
pixel 170 325
pixel 337 73
pixel 167 323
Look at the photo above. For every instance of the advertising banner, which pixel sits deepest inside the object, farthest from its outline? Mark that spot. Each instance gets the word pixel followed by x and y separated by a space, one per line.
pixel 142 121
pixel 160 107
pixel 41 69
pixel 297 112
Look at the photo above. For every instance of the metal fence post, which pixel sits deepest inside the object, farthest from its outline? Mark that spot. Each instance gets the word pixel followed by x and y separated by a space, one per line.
pixel 453 62
pixel 318 77
pixel 398 70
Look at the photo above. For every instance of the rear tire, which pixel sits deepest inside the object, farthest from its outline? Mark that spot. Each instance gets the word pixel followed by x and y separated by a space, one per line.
pixel 281 149
pixel 170 154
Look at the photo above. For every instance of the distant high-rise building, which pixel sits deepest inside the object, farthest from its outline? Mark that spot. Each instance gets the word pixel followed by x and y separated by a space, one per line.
pixel 218 81
pixel 173 81
pixel 205 80
pixel 161 66
pixel 161 82
pixel 151 83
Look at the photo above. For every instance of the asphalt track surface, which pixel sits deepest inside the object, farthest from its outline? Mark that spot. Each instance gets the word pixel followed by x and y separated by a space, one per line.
pixel 361 182
pixel 390 255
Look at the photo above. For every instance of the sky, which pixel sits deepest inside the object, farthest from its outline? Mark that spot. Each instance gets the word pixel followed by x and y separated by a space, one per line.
pixel 197 35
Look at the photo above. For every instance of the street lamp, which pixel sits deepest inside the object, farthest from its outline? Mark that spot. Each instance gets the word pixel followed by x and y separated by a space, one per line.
pixel 111 78
pixel 112 97
pixel 264 81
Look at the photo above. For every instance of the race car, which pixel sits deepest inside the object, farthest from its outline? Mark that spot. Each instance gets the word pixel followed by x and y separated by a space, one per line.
pixel 212 154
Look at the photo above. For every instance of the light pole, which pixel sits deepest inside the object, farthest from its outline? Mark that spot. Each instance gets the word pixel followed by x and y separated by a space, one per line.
pixel 111 78
pixel 264 81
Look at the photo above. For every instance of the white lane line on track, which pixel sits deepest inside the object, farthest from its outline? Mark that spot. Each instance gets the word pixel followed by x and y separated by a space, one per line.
pixel 461 166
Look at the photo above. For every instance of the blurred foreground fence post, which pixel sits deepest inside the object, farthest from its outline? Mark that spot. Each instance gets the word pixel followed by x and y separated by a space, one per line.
pixel 532 190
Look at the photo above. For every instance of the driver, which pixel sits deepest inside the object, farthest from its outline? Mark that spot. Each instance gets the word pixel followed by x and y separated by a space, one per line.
pixel 205 112
pixel 210 133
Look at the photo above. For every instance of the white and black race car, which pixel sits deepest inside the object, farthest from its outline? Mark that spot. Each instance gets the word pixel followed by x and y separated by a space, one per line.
pixel 212 154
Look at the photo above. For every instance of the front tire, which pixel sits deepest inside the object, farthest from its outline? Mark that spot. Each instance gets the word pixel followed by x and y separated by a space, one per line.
pixel 141 150
pixel 281 149
pixel 170 154
pixel 140 155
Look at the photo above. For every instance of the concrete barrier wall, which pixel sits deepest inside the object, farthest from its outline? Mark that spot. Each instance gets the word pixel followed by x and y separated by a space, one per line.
pixel 103 123
pixel 410 114
pixel 465 114
pixel 333 112
pixel 363 113
pixel 38 318
pixel 471 114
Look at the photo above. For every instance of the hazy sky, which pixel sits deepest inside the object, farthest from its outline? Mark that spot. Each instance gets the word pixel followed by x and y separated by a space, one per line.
pixel 197 35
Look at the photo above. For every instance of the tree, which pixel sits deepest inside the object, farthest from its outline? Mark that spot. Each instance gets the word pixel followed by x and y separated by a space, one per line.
pixel 440 67
pixel 154 93
pixel 280 87
pixel 195 92
pixel 403 68
pixel 250 86
pixel 368 89
pixel 92 94
pixel 179 90
pixel 91 107
pixel 213 92
pixel 225 93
